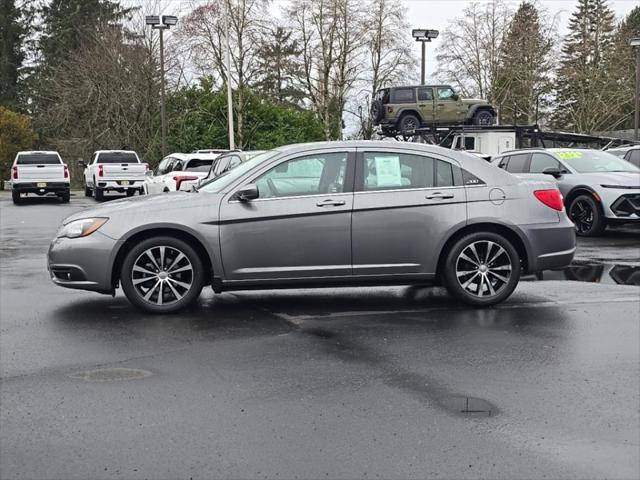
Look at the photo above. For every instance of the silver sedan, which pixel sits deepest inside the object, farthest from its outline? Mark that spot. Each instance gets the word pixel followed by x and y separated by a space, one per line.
pixel 319 215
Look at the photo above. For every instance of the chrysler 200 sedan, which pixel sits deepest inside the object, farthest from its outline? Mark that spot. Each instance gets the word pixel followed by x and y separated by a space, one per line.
pixel 320 215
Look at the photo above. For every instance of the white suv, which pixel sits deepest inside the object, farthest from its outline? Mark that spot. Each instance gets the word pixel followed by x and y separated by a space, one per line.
pixel 179 171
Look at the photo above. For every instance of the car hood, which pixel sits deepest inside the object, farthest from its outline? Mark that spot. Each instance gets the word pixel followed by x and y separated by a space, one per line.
pixel 148 205
pixel 626 179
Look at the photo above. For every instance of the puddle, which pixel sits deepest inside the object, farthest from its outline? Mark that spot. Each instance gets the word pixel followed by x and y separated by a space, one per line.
pixel 111 374
pixel 593 273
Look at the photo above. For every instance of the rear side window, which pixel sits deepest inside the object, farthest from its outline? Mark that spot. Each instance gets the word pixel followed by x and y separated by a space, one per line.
pixel 425 94
pixel 383 95
pixel 634 157
pixel 197 165
pixel 517 163
pixel 117 157
pixel 404 95
pixel 444 174
pixel 38 159
pixel 391 171
pixel 541 161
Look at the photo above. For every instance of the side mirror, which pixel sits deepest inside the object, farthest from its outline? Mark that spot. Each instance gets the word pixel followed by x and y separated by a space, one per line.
pixel 247 193
pixel 81 163
pixel 455 97
pixel 553 171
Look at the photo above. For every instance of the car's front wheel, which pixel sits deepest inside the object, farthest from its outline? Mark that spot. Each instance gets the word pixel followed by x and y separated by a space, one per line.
pixel 162 275
pixel 482 269
pixel 586 214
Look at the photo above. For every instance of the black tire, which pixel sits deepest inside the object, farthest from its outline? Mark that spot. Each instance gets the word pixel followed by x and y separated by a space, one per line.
pixel 65 197
pixel 587 215
pixel 408 122
pixel 87 192
pixel 377 111
pixel 194 276
pixel 484 117
pixel 130 192
pixel 492 273
pixel 15 196
pixel 99 194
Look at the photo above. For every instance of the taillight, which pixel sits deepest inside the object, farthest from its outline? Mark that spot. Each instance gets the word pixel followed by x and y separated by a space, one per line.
pixel 179 180
pixel 551 198
pixel 15 173
pixel 146 167
pixel 66 172
pixel 100 170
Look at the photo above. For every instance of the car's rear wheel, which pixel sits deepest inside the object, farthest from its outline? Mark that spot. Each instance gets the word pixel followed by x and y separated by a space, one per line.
pixel 482 269
pixel 98 192
pixel 130 192
pixel 408 122
pixel 484 117
pixel 65 197
pixel 587 216
pixel 377 111
pixel 87 191
pixel 162 275
pixel 15 196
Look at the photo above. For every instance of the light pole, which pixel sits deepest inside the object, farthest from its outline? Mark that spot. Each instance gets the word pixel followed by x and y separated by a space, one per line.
pixel 232 143
pixel 635 43
pixel 424 36
pixel 162 23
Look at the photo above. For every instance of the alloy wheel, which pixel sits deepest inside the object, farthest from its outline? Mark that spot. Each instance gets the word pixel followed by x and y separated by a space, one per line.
pixel 581 214
pixel 483 268
pixel 162 275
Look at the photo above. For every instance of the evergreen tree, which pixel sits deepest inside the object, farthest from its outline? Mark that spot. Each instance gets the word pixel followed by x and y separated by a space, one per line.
pixel 586 91
pixel 12 34
pixel 70 24
pixel 623 65
pixel 523 78
pixel 280 69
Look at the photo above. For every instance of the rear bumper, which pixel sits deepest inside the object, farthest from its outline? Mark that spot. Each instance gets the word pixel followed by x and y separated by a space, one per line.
pixel 32 187
pixel 119 185
pixel 550 246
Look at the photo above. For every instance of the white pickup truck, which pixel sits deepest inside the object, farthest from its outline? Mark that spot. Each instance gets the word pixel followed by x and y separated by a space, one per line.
pixel 114 171
pixel 39 172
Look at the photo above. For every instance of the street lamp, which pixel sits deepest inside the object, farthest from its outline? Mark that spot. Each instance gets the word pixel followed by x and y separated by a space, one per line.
pixel 162 23
pixel 635 43
pixel 424 36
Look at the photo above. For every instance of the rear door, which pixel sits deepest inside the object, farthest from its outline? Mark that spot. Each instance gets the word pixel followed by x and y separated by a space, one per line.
pixel 299 227
pixel 405 203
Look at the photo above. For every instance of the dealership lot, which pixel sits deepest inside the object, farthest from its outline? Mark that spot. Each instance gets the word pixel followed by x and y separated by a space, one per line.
pixel 361 382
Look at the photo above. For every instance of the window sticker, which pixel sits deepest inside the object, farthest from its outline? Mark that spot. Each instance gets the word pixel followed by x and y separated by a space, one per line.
pixel 569 155
pixel 388 171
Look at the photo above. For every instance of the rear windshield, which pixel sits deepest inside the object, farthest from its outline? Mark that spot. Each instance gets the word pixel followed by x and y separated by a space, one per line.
pixel 197 165
pixel 38 159
pixel 382 95
pixel 117 157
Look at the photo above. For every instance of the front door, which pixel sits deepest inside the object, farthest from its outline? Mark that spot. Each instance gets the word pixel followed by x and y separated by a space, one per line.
pixel 404 206
pixel 298 227
pixel 425 103
pixel 447 109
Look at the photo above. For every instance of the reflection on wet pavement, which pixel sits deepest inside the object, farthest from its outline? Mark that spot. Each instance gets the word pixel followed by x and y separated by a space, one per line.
pixel 593 273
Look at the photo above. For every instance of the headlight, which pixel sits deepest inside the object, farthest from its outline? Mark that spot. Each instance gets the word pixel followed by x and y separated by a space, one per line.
pixel 82 227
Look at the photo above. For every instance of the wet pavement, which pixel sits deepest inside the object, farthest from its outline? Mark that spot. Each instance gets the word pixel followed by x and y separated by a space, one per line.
pixel 326 383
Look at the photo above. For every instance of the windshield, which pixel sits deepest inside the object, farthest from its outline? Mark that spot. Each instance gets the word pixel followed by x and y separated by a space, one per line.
pixel 595 161
pixel 38 159
pixel 617 153
pixel 218 184
pixel 117 157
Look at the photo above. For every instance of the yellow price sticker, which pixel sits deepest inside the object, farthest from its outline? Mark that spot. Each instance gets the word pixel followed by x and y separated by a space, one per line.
pixel 569 155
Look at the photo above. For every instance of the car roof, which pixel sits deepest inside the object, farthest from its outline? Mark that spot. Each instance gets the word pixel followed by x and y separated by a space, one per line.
pixel 192 156
pixel 416 86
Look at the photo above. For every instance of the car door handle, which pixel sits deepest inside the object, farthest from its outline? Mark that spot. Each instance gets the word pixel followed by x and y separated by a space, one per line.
pixel 439 196
pixel 330 203
pixel 440 104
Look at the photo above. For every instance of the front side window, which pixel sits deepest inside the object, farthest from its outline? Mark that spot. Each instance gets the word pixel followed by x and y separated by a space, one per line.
pixel 165 166
pixel 445 93
pixel 385 171
pixel 404 95
pixel 634 157
pixel 197 165
pixel 444 174
pixel 542 161
pixel 322 173
pixel 517 163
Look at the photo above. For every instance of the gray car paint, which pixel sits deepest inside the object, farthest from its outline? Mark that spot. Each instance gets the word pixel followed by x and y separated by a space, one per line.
pixel 395 236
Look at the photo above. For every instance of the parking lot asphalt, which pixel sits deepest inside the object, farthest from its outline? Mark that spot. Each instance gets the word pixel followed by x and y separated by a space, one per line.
pixel 325 383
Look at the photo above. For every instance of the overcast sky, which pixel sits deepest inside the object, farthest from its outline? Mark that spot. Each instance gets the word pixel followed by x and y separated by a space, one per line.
pixel 436 14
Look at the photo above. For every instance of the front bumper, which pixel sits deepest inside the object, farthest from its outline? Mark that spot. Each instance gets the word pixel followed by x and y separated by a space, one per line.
pixel 550 245
pixel 83 263
pixel 620 204
pixel 32 187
